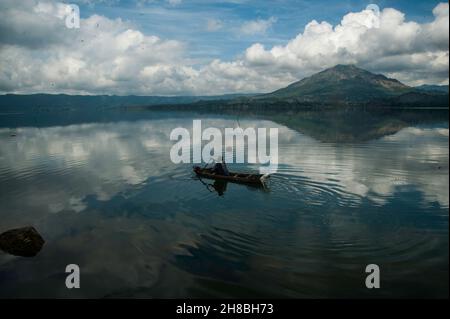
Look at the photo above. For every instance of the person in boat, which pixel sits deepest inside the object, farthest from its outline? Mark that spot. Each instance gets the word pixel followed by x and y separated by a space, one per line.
pixel 220 168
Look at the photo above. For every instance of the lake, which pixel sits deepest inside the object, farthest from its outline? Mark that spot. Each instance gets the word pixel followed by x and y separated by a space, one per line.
pixel 352 189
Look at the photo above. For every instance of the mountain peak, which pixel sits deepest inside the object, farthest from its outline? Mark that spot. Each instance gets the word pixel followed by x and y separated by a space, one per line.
pixel 345 67
pixel 344 83
pixel 344 71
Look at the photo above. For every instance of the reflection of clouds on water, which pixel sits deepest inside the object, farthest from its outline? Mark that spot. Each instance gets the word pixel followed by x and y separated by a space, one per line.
pixel 425 161
pixel 69 163
pixel 422 160
pixel 54 169
pixel 108 196
pixel 416 157
pixel 131 176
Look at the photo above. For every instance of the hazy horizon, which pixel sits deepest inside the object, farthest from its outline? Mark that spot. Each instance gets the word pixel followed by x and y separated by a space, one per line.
pixel 175 96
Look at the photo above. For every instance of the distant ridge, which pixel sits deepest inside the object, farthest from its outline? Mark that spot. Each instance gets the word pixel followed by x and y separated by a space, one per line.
pixel 64 101
pixel 433 88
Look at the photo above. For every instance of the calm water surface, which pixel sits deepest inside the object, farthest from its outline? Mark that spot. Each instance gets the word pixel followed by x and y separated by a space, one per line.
pixel 106 196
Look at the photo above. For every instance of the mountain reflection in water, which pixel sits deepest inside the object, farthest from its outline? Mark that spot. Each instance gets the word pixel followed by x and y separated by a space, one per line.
pixel 105 195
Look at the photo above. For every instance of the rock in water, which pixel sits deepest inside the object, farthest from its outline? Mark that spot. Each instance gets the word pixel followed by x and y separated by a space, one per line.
pixel 25 242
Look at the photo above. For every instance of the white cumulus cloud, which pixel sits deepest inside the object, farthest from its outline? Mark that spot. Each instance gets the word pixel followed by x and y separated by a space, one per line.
pixel 413 52
pixel 112 56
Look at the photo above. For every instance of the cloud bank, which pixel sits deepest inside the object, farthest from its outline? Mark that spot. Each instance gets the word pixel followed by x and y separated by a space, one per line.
pixel 111 56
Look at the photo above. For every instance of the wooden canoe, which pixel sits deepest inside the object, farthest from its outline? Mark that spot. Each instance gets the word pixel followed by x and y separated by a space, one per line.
pixel 242 178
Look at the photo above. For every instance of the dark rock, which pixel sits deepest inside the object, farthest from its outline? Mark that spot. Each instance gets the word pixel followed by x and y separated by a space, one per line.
pixel 25 242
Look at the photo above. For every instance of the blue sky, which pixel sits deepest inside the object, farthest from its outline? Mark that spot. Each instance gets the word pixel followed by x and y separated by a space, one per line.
pixel 187 20
pixel 199 47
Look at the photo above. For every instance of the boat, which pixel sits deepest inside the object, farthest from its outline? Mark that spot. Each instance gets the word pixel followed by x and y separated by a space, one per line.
pixel 241 178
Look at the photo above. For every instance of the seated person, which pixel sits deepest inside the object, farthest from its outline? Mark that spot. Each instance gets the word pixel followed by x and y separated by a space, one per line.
pixel 220 168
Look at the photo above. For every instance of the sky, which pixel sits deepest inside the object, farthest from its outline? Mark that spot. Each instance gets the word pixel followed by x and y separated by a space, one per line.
pixel 200 47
